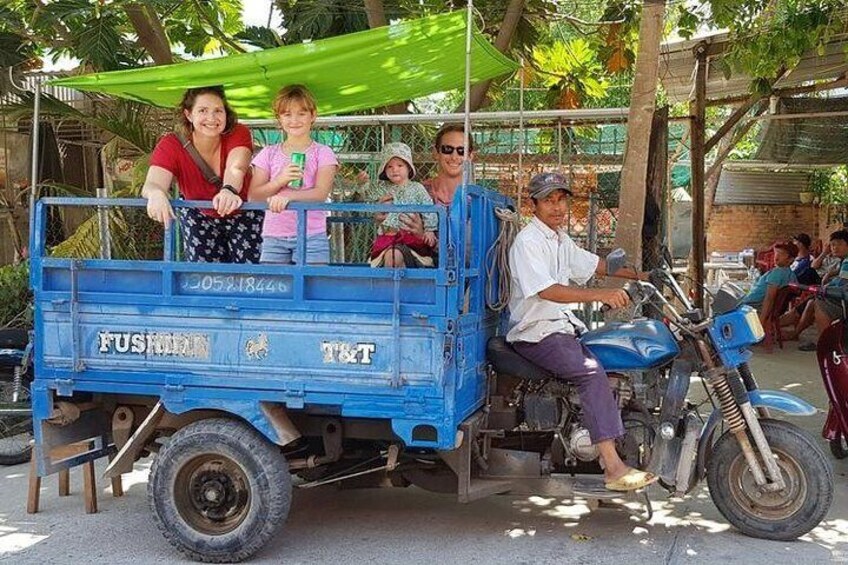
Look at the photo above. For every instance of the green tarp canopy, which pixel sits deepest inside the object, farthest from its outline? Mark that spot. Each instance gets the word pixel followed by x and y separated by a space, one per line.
pixel 352 72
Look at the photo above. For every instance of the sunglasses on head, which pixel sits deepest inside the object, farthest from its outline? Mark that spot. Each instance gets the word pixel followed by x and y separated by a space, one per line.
pixel 449 149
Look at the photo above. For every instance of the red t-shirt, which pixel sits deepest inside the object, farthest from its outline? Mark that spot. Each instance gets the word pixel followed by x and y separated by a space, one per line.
pixel 171 156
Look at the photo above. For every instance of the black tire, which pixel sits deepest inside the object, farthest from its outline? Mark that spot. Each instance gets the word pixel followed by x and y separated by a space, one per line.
pixel 838 448
pixel 782 516
pixel 21 451
pixel 15 431
pixel 219 490
pixel 13 338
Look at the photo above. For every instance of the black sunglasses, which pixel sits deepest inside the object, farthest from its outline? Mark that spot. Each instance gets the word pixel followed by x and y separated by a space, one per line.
pixel 449 149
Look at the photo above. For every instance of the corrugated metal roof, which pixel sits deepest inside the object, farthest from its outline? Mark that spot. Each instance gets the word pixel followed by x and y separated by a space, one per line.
pixel 758 187
pixel 677 68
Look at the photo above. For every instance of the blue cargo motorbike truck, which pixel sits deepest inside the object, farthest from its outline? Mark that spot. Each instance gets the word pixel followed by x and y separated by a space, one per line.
pixel 245 382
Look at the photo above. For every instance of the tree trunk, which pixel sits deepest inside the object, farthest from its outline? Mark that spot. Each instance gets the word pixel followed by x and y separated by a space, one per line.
pixel 634 175
pixel 656 182
pixel 375 13
pixel 151 34
pixel 506 32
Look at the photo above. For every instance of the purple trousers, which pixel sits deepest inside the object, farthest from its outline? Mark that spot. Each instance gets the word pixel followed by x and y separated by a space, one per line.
pixel 570 360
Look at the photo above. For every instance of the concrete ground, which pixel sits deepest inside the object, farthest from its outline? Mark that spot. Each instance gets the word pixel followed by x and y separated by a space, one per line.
pixel 412 526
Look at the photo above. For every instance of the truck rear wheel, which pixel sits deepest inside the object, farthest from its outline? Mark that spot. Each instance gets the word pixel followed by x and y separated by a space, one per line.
pixel 219 490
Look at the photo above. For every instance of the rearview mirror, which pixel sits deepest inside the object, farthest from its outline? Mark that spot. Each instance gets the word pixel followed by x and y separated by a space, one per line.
pixel 616 260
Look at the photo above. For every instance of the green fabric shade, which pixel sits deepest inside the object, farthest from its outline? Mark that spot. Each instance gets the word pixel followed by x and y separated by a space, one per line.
pixel 346 73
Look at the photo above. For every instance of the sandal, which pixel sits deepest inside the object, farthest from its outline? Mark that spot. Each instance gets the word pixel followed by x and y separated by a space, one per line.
pixel 634 479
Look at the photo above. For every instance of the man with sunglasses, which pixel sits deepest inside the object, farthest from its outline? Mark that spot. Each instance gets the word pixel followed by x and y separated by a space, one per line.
pixel 448 153
pixel 544 262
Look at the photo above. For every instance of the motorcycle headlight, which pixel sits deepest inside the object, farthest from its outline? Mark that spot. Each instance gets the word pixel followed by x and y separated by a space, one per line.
pixel 754 324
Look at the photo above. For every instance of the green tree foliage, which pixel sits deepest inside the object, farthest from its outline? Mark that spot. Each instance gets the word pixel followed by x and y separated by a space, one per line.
pixel 15 296
pixel 571 71
pixel 101 35
pixel 767 36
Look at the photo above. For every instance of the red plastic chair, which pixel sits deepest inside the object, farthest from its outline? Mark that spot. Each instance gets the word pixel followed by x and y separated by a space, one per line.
pixel 782 302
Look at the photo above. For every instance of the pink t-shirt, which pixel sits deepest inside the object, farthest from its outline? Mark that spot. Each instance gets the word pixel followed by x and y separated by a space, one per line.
pixel 272 159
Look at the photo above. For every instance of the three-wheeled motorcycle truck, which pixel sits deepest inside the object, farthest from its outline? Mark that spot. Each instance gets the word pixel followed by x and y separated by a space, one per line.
pixel 247 381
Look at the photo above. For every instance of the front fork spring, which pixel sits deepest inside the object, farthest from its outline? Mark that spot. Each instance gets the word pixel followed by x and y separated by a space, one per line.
pixel 729 408
pixel 17 383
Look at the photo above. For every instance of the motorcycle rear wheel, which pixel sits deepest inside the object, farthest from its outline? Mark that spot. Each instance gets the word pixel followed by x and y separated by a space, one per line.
pixel 15 431
pixel 784 515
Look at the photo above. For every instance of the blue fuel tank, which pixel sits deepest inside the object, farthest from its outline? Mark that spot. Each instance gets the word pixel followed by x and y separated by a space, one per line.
pixel 632 346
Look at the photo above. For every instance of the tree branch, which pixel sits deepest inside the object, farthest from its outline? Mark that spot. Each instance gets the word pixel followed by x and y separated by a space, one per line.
pixel 151 35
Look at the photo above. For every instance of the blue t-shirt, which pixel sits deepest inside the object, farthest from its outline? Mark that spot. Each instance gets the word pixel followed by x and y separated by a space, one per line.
pixel 779 277
pixel 798 266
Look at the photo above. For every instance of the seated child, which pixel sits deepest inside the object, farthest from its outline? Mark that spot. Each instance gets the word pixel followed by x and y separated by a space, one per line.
pixel 396 246
pixel 764 291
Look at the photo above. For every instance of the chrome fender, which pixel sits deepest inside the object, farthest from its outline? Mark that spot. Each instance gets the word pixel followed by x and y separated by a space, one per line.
pixel 772 399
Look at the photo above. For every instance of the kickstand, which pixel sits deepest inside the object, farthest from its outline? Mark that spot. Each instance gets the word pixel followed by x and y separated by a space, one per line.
pixel 649 508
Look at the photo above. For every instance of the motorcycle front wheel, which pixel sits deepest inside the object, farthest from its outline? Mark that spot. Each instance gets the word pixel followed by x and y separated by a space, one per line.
pixel 783 515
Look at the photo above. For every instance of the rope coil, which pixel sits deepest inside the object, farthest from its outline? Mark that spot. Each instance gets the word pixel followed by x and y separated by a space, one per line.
pixel 497 259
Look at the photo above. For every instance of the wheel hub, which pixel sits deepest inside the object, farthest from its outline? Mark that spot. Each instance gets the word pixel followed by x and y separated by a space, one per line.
pixel 213 494
pixel 769 504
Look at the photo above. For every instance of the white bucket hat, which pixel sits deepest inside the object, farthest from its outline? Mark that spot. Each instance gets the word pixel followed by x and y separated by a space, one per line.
pixel 399 150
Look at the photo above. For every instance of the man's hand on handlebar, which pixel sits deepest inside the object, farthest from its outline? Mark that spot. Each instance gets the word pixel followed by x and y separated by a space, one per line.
pixel 613 297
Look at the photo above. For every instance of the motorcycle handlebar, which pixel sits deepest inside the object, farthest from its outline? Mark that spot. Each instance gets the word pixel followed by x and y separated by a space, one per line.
pixel 834 292
pixel 633 292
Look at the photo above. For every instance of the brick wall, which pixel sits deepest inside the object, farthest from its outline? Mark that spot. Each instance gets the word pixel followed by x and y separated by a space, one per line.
pixel 742 226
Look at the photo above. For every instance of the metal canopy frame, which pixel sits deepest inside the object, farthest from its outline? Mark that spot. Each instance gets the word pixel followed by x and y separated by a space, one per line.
pixel 689 72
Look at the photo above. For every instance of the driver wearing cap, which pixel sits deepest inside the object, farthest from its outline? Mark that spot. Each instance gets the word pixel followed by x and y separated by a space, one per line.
pixel 545 263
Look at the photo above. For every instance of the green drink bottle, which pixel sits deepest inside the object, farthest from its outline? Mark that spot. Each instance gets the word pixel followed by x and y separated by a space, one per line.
pixel 298 159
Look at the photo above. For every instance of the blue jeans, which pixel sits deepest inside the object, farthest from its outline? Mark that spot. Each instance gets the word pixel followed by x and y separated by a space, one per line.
pixel 282 249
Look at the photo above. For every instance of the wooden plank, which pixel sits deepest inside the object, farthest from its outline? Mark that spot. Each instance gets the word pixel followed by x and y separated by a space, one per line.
pixel 34 492
pixel 64 482
pixel 89 488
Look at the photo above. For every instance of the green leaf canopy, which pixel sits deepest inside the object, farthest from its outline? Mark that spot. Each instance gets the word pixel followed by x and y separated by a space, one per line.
pixel 346 73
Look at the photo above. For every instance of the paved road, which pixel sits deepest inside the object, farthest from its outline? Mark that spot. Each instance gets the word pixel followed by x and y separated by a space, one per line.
pixel 412 526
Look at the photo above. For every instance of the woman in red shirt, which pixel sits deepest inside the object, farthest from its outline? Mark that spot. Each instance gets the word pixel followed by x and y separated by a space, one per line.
pixel 224 234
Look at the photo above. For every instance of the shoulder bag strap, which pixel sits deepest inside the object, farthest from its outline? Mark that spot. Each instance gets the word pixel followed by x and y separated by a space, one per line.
pixel 204 167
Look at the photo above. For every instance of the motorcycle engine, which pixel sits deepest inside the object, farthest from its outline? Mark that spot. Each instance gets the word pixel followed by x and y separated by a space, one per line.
pixel 542 412
pixel 579 444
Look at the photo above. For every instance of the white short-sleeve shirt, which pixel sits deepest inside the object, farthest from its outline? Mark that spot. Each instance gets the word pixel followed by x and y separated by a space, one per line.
pixel 539 258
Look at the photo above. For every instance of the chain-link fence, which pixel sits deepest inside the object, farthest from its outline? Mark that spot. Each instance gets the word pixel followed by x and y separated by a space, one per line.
pixel 510 149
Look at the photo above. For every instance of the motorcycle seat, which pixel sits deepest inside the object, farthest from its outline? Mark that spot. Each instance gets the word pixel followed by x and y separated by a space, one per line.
pixel 506 360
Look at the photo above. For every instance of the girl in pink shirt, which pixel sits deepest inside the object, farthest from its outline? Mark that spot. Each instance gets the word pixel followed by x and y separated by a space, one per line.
pixel 273 173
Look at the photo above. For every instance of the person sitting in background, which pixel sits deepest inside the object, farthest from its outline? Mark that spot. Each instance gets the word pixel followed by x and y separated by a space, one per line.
pixel 802 265
pixel 822 311
pixel 763 292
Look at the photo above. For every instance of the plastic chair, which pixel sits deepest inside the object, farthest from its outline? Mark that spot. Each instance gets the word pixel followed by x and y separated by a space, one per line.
pixel 782 301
